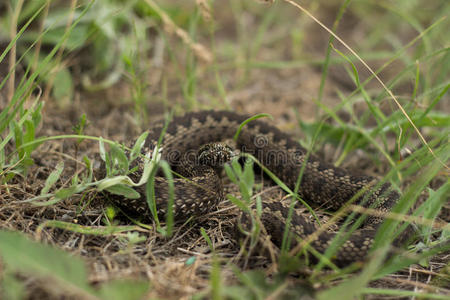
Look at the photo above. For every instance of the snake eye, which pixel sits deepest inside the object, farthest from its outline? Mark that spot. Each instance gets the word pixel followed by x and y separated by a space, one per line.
pixel 205 147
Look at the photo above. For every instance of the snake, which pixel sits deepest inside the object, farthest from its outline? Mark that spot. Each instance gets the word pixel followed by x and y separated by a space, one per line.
pixel 193 145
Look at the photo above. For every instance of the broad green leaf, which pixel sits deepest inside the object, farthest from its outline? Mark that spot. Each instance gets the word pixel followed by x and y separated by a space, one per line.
pixel 18 137
pixel 124 289
pixel 101 146
pixel 75 39
pixel 119 159
pixel 108 182
pixel 67 192
pixel 137 148
pixel 230 174
pixel 23 255
pixel 29 136
pixel 11 287
pixel 433 206
pixel 124 190
pixel 240 204
pixel 63 86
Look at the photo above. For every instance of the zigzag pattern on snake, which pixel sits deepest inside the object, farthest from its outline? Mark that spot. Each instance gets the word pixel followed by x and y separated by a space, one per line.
pixel 321 183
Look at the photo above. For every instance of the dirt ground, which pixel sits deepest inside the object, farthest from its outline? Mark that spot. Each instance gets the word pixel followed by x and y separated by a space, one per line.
pixel 287 94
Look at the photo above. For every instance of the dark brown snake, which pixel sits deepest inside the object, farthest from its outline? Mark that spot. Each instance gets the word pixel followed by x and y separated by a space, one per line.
pixel 321 183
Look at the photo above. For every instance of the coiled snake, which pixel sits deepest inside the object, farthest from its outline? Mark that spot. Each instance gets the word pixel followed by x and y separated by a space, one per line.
pixel 321 183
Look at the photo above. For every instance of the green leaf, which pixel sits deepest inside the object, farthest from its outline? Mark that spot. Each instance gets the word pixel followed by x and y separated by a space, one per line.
pixel 256 285
pixel 353 287
pixel 11 287
pixel 101 147
pixel 245 191
pixel 433 206
pixel 89 167
pixel 74 40
pixel 333 134
pixel 133 237
pixel 237 169
pixel 2 156
pixel 150 165
pixel 118 158
pixel 67 192
pixel 29 135
pixel 108 182
pixel 136 151
pixel 190 261
pixel 22 255
pixel 124 289
pixel 124 190
pixel 248 176
pixel 36 115
pixel 400 262
pixel 18 137
pixel 63 86
pixel 171 199
pixel 215 279
pixel 52 178
pixel 240 204
pixel 93 230
pixel 230 174
pixel 258 116
pixel 79 127
pixel 207 239
pixel 110 212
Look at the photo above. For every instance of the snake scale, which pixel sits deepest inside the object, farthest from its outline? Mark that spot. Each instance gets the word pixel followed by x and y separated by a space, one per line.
pixel 321 183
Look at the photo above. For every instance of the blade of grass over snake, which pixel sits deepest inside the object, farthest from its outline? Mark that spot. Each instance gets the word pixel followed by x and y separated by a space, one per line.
pixel 258 116
pixel 171 190
pixel 388 228
pixel 285 245
pixel 281 184
pixel 150 184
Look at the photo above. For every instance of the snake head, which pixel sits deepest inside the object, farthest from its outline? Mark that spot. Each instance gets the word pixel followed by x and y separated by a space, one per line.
pixel 215 155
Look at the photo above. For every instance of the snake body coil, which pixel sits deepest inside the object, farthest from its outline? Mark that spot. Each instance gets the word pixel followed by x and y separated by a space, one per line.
pixel 321 184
